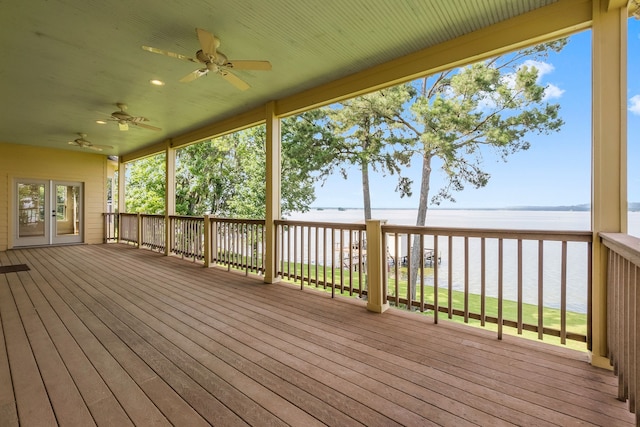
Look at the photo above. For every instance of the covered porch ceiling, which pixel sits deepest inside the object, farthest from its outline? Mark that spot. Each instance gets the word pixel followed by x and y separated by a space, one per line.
pixel 68 63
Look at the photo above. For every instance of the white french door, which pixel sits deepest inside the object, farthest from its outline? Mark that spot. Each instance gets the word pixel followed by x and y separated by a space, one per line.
pixel 48 212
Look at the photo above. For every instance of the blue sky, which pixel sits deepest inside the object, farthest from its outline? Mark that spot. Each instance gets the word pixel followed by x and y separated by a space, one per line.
pixel 554 171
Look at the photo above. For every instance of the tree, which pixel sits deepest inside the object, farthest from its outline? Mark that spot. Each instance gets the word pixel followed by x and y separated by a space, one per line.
pixel 225 176
pixel 459 114
pixel 455 118
pixel 372 137
pixel 145 185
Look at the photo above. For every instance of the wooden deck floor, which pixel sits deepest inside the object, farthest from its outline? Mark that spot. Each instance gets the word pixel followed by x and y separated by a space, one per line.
pixel 112 335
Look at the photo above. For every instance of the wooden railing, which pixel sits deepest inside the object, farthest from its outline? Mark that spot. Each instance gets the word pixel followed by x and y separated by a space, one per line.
pixel 128 229
pixel 327 255
pixel 153 232
pixel 187 237
pixel 238 244
pixel 527 280
pixel 623 314
pixel 533 281
pixel 111 221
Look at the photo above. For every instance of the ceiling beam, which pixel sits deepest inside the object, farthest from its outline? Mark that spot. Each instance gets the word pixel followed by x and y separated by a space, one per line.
pixel 616 4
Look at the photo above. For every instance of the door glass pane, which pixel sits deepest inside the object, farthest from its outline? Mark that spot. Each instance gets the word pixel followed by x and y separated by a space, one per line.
pixel 67 210
pixel 31 215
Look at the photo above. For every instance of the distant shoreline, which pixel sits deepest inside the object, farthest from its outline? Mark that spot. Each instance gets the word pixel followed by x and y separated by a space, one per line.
pixel 633 207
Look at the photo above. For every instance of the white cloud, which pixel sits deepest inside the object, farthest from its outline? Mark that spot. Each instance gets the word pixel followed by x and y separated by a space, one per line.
pixel 634 104
pixel 552 92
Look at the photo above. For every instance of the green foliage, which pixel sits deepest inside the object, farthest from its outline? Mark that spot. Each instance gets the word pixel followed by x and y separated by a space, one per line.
pixel 226 176
pixel 145 185
pixel 497 104
pixel 371 137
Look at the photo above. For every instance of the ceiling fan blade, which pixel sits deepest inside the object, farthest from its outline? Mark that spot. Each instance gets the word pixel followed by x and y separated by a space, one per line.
pixel 143 125
pixel 123 126
pixel 234 80
pixel 137 119
pixel 194 75
pixel 249 65
pixel 208 42
pixel 99 147
pixel 171 54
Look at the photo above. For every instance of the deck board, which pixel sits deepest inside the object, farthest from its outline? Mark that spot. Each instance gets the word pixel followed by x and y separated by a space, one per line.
pixel 133 337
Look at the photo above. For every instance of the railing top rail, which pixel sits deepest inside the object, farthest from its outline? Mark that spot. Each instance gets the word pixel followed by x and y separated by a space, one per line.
pixel 336 225
pixel 200 218
pixel 237 220
pixel 572 236
pixel 128 214
pixel 152 215
pixel 623 244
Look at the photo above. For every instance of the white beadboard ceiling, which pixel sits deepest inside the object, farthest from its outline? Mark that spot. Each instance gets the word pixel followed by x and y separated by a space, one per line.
pixel 66 63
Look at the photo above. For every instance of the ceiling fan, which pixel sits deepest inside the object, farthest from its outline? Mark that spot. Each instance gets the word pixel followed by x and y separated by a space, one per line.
pixel 125 119
pixel 214 61
pixel 82 142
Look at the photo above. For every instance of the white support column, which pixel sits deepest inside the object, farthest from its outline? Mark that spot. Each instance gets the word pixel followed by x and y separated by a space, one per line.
pixel 609 153
pixel 376 261
pixel 170 194
pixel 122 208
pixel 273 178
pixel 122 172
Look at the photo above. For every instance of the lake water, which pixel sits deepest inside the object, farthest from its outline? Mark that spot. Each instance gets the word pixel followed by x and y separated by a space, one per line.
pixel 498 219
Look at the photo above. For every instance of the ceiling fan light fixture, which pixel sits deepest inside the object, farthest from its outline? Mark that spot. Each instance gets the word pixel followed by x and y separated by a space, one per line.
pixel 101 122
pixel 156 82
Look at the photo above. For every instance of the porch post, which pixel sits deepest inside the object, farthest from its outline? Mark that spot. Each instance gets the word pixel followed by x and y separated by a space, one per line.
pixel 122 208
pixel 609 153
pixel 273 178
pixel 376 261
pixel 170 195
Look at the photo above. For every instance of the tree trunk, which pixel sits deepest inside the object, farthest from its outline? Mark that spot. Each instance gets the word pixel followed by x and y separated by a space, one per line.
pixel 366 194
pixel 416 256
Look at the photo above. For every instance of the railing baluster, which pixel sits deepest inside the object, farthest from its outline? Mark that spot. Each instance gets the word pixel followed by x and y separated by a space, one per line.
pixel 396 263
pixel 333 263
pixel 483 281
pixel 500 290
pixel 436 307
pixel 519 273
pixel 350 263
pixel 324 258
pixel 466 279
pixel 540 289
pixel 409 284
pixel 316 263
pixel 361 249
pixel 450 279
pixel 563 295
pixel 341 261
pixel 422 267
pixel 309 260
